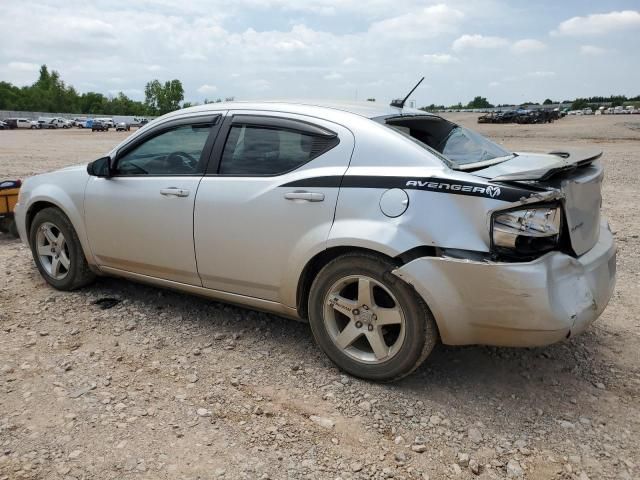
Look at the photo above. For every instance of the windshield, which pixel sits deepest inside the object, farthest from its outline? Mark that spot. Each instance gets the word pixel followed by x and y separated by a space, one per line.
pixel 463 146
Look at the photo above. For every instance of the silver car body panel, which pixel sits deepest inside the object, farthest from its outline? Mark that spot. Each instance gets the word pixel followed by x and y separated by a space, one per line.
pixel 266 239
pixel 63 188
pixel 238 239
pixel 127 222
pixel 516 304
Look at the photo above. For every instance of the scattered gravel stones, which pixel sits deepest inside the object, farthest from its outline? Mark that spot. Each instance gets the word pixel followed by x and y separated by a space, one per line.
pixel 165 385
pixel 474 466
pixel 514 470
pixel 474 435
pixel 75 454
pixel 463 459
pixel 324 422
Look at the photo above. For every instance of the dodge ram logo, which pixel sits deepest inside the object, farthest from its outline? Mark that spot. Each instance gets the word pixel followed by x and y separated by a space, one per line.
pixel 492 191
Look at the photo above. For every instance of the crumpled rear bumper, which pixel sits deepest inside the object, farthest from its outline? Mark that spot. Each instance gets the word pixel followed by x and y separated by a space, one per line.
pixel 516 304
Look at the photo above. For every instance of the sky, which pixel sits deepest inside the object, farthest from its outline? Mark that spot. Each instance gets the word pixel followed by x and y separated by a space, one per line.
pixel 509 51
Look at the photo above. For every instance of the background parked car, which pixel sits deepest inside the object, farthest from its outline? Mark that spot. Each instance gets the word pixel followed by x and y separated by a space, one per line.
pixel 62 122
pixel 24 123
pixel 139 122
pixel 123 127
pixel 46 122
pixel 108 122
pixel 3 125
pixel 99 126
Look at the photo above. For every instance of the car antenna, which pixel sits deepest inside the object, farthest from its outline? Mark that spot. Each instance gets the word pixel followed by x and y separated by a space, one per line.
pixel 400 103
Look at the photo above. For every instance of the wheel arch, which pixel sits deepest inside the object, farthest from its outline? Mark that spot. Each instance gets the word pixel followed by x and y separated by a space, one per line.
pixel 318 261
pixel 69 209
pixel 33 210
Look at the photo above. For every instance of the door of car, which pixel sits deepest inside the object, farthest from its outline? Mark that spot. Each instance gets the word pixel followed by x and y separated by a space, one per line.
pixel 140 219
pixel 267 201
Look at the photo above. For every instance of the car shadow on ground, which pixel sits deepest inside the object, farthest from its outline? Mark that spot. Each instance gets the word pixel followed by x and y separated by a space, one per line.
pixel 527 376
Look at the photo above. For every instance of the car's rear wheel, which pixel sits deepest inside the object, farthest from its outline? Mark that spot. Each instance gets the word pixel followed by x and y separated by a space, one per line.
pixel 57 251
pixel 369 322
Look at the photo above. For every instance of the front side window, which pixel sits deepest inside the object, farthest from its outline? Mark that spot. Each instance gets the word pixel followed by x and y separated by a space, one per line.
pixel 258 150
pixel 174 152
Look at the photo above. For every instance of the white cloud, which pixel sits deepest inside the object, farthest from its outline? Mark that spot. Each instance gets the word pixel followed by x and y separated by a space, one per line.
pixel 439 58
pixel 260 85
pixel 332 76
pixel 599 23
pixel 193 56
pixel 478 41
pixel 541 74
pixel 23 66
pixel 284 48
pixel 425 23
pixel 205 89
pixel 528 45
pixel 290 45
pixel 592 50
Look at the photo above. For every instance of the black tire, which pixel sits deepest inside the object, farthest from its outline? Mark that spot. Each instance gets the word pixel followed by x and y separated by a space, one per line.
pixel 421 332
pixel 79 274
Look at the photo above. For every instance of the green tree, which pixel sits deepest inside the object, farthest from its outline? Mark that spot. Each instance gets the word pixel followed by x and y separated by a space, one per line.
pixel 547 101
pixel 161 99
pixel 579 104
pixel 479 102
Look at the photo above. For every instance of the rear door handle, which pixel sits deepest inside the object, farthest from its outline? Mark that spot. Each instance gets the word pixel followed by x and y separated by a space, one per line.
pixel 308 196
pixel 174 192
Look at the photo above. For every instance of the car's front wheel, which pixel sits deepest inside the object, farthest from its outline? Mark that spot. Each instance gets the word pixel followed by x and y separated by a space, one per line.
pixel 369 322
pixel 57 251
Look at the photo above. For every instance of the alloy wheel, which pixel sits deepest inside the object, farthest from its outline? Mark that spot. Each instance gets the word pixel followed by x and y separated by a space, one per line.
pixel 364 319
pixel 53 251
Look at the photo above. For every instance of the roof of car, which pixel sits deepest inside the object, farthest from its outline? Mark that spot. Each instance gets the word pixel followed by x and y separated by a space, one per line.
pixel 364 109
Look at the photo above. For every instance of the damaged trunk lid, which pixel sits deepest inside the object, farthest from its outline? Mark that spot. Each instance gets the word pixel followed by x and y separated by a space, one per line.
pixel 575 173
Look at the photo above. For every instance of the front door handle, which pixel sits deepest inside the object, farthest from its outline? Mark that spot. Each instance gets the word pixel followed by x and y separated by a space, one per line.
pixel 174 192
pixel 308 196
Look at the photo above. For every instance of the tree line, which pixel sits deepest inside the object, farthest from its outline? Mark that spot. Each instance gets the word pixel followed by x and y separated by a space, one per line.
pixel 51 94
pixel 577 104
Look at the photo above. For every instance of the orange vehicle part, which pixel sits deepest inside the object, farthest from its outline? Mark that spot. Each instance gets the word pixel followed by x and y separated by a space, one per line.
pixel 9 190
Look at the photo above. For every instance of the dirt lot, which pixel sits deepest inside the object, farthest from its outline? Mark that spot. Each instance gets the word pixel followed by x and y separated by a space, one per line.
pixel 167 386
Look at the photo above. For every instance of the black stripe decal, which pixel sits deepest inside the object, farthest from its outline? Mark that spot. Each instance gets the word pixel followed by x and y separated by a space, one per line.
pixel 429 184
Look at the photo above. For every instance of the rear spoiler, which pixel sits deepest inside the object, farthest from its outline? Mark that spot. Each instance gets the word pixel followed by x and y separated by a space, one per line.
pixel 570 160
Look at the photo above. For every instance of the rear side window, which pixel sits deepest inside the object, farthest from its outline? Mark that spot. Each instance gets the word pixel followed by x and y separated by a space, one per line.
pixel 267 150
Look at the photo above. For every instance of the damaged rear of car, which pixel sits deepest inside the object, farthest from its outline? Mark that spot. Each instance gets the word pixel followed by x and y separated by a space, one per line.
pixel 540 266
pixel 386 228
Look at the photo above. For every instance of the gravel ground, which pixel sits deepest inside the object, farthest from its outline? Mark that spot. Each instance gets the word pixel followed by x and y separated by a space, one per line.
pixel 168 386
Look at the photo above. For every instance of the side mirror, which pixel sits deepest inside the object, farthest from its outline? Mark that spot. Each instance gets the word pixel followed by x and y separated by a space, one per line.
pixel 101 167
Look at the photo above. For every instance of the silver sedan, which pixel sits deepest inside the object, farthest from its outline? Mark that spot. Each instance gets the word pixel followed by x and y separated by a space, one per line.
pixel 387 229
